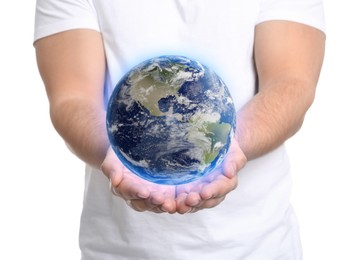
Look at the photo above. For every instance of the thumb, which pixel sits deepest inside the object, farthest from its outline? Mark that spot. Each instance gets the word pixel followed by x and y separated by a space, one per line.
pixel 112 168
pixel 234 161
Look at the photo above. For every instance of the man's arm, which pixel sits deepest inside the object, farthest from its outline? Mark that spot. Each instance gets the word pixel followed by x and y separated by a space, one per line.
pixel 72 66
pixel 288 59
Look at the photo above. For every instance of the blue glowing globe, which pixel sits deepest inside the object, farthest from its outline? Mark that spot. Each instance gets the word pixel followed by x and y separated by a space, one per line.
pixel 170 120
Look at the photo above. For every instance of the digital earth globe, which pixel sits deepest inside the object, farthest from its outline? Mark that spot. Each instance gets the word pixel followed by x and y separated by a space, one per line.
pixel 170 120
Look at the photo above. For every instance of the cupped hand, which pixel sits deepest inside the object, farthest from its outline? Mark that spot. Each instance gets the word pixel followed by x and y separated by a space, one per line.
pixel 139 194
pixel 211 190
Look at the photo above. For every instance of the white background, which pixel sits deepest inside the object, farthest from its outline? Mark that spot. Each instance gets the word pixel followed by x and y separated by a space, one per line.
pixel 41 183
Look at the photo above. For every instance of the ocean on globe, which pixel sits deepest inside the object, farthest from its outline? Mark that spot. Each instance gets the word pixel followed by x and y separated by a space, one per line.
pixel 170 120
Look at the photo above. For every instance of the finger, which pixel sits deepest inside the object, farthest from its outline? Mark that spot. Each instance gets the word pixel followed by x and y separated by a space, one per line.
pixel 211 203
pixel 207 204
pixel 132 191
pixel 155 203
pixel 142 205
pixel 169 206
pixel 181 206
pixel 113 190
pixel 193 199
pixel 157 210
pixel 234 161
pixel 156 198
pixel 219 187
pixel 112 168
pixel 138 205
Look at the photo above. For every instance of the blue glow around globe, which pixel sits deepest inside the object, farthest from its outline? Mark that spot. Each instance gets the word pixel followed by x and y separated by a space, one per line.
pixel 170 120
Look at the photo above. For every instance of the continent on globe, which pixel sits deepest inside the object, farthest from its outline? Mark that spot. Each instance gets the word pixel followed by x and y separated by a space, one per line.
pixel 170 120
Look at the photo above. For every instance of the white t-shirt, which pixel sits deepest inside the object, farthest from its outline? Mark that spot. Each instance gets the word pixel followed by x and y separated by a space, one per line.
pixel 255 221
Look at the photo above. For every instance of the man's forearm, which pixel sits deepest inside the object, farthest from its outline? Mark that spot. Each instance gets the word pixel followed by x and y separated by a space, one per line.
pixel 72 66
pixel 82 125
pixel 288 58
pixel 272 116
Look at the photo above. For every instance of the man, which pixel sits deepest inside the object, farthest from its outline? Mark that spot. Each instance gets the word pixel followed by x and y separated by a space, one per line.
pixel 268 52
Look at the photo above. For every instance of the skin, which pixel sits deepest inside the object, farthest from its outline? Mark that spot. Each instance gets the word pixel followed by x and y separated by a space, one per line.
pixel 288 59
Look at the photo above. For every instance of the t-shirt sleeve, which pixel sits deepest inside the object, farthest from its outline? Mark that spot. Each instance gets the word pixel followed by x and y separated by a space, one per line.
pixel 309 12
pixel 53 16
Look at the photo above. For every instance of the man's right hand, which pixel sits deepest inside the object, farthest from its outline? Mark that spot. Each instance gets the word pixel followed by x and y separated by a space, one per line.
pixel 139 194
